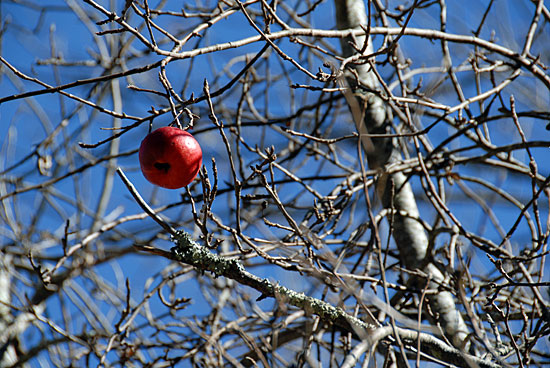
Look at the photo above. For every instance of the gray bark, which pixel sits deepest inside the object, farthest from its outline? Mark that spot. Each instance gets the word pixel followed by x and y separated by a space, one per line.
pixel 408 233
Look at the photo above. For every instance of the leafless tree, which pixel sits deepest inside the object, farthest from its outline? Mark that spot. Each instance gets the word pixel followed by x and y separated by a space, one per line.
pixel 374 190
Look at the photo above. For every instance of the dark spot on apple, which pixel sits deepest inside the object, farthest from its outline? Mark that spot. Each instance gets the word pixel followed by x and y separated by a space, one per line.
pixel 162 166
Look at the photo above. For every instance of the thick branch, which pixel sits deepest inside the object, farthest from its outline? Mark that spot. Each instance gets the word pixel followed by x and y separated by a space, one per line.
pixel 408 233
pixel 190 252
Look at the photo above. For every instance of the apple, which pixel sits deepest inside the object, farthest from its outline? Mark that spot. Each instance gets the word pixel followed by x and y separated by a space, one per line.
pixel 170 157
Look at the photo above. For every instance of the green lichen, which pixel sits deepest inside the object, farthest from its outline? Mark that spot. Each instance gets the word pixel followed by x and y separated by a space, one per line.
pixel 311 305
pixel 189 251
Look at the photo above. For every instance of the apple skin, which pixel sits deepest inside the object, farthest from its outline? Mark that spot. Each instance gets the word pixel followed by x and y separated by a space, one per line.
pixel 170 157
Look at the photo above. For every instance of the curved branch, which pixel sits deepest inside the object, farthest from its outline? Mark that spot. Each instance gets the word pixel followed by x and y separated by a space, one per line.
pixel 394 189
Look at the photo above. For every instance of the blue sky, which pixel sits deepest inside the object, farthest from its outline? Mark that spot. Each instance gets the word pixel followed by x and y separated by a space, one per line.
pixel 30 36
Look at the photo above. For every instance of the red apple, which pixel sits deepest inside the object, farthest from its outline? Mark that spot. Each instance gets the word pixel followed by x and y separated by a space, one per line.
pixel 170 157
